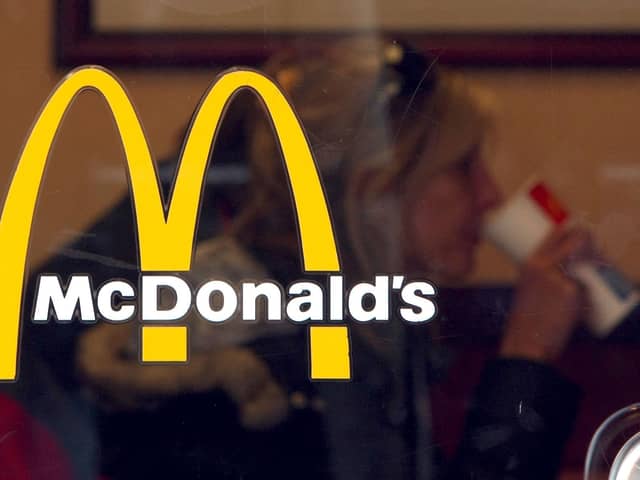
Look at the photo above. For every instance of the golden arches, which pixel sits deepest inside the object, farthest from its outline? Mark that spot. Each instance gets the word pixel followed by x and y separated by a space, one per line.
pixel 165 243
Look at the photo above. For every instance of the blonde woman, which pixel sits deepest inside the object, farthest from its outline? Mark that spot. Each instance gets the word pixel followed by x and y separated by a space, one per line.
pixel 401 148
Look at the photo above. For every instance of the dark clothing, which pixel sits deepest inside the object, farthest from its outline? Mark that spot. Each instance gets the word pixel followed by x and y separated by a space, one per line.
pixel 376 426
pixel 516 428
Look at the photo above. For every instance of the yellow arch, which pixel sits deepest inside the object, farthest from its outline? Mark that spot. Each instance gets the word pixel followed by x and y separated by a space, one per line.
pixel 165 244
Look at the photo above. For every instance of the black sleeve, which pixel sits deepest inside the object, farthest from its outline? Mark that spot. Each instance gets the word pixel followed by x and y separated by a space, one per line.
pixel 519 421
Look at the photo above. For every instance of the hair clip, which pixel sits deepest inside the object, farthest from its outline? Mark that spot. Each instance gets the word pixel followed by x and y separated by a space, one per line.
pixel 411 70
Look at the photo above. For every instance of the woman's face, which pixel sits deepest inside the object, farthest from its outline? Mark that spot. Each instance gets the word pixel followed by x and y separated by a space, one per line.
pixel 444 216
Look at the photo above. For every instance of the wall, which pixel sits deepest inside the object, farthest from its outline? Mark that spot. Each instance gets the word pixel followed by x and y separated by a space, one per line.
pixel 89 171
pixel 576 127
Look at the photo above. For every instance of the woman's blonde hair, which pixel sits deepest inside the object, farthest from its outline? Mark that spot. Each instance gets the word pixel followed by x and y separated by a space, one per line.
pixel 368 133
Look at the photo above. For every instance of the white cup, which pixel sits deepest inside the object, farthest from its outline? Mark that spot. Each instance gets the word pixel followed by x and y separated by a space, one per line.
pixel 521 224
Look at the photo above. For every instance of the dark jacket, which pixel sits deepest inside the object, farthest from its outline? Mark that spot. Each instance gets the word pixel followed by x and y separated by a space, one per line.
pixel 376 426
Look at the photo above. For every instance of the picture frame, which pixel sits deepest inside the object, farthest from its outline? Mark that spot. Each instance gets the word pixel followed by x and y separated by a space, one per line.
pixel 528 42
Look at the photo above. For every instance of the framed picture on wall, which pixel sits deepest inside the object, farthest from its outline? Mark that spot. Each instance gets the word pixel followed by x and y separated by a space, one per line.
pixel 462 32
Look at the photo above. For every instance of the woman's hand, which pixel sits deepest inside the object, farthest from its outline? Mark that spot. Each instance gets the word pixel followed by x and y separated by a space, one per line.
pixel 548 301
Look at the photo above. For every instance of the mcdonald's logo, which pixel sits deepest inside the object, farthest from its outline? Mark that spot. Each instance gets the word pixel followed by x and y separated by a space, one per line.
pixel 166 238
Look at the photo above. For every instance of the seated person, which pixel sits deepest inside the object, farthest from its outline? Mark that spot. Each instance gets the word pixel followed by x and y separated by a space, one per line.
pixel 400 145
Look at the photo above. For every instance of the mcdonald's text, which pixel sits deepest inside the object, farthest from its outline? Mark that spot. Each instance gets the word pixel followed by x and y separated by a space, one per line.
pixel 218 301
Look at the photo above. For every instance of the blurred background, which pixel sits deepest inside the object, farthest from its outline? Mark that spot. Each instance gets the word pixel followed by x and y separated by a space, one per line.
pixel 565 77
pixel 575 126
